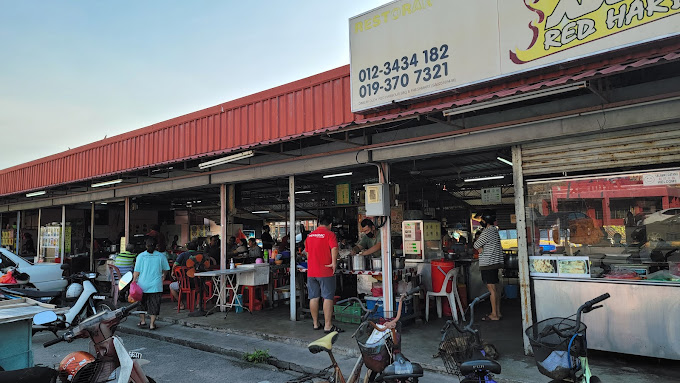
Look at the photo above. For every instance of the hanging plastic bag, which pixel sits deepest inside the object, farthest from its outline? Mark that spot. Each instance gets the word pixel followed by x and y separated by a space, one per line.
pixel 8 278
pixel 135 294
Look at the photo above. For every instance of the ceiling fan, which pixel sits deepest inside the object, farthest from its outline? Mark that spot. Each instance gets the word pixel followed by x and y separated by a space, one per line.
pixel 414 171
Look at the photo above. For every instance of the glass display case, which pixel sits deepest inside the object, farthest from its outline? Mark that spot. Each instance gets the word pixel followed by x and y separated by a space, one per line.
pixel 421 240
pixel 627 226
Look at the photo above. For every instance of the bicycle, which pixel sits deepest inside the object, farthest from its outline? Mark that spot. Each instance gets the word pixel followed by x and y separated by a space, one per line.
pixel 560 346
pixel 380 351
pixel 464 353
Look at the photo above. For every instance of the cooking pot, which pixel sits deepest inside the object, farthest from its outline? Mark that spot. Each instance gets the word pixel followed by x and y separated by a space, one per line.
pixel 376 264
pixel 358 262
pixel 398 263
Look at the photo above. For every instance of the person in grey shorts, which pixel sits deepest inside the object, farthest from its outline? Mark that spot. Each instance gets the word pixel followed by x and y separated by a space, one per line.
pixel 322 258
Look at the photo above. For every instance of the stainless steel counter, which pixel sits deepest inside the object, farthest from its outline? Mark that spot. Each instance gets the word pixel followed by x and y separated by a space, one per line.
pixel 640 318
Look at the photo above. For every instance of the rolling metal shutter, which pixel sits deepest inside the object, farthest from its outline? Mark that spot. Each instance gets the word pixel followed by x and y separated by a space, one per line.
pixel 634 147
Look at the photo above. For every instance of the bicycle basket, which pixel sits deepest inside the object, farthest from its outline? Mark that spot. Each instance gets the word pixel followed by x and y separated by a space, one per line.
pixel 376 346
pixel 455 348
pixel 551 350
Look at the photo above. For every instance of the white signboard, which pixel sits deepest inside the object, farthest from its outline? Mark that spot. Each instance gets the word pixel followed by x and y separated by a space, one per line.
pixel 412 48
pixel 491 195
pixel 661 178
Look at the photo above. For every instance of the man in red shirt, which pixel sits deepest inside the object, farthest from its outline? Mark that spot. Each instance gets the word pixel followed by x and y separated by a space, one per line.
pixel 322 258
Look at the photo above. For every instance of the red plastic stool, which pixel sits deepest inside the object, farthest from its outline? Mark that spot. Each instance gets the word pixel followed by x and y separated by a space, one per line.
pixel 255 304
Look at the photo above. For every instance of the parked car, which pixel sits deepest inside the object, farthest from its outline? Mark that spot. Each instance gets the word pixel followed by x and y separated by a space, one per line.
pixel 661 215
pixel 43 276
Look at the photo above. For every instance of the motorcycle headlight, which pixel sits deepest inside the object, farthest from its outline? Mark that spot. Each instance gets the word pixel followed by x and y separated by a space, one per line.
pixel 92 275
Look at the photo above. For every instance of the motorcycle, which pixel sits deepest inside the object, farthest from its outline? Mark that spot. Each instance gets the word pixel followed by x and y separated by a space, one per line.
pixel 81 292
pixel 109 360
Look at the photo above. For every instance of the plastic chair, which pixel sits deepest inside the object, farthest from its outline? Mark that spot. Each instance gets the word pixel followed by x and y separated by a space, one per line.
pixel 453 297
pixel 114 277
pixel 185 288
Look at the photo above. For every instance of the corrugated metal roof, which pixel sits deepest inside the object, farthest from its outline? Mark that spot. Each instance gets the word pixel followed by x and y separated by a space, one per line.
pixel 314 105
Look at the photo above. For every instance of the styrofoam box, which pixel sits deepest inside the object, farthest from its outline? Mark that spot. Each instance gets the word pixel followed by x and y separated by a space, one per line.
pixel 259 277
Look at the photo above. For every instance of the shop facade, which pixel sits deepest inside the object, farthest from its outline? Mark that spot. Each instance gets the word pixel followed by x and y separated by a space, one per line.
pixel 581 135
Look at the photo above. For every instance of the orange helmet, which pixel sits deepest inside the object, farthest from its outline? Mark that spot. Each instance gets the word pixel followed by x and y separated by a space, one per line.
pixel 72 363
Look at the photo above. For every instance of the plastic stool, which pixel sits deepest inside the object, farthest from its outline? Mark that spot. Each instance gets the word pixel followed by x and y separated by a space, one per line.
pixel 252 291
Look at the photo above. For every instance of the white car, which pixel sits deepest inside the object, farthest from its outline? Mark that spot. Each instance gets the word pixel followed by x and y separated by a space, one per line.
pixel 661 215
pixel 44 276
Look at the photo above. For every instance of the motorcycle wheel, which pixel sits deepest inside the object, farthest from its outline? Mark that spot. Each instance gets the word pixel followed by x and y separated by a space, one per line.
pixel 150 380
pixel 105 306
pixel 595 379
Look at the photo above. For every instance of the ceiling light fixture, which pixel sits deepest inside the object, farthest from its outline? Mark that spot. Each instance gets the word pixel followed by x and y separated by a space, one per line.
pixel 503 160
pixel 484 178
pixel 107 183
pixel 515 98
pixel 35 194
pixel 227 159
pixel 103 203
pixel 337 175
pixel 303 192
pixel 260 212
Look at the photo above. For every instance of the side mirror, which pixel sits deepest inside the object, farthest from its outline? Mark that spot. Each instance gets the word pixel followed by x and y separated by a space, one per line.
pixel 125 280
pixel 65 266
pixel 44 317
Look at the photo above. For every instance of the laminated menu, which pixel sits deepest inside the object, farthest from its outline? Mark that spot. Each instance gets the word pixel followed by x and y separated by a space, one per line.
pixel 543 266
pixel 573 267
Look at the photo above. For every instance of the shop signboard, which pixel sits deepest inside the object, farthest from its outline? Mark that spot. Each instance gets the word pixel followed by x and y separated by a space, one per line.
pixel 491 195
pixel 413 48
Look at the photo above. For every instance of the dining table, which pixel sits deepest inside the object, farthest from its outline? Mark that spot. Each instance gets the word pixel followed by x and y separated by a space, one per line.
pixel 226 281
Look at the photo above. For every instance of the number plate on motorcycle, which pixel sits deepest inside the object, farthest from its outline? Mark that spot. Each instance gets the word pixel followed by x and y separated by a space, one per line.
pixel 98 297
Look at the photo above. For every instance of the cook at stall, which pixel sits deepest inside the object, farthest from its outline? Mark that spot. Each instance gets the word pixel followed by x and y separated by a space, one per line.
pixel 369 244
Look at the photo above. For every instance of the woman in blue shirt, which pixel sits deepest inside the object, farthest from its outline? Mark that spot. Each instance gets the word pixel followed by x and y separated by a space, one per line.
pixel 150 269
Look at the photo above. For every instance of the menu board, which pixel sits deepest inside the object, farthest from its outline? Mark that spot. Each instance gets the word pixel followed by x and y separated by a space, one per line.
pixel 543 266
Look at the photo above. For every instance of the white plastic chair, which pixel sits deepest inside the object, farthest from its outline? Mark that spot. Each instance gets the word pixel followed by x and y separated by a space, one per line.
pixel 453 296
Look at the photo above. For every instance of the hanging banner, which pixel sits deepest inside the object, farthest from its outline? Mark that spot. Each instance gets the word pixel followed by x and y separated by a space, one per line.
pixel 413 48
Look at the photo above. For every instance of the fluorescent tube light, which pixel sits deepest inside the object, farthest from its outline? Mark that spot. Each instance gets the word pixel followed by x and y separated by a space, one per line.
pixel 107 183
pixel 35 194
pixel 103 203
pixel 516 98
pixel 227 159
pixel 303 192
pixel 483 178
pixel 260 212
pixel 503 160
pixel 337 175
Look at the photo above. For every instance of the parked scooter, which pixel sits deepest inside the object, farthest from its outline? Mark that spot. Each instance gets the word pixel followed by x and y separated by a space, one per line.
pixel 81 294
pixel 111 362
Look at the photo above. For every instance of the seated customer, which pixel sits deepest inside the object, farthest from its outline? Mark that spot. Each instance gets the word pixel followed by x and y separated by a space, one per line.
pixel 254 250
pixel 182 261
pixel 125 260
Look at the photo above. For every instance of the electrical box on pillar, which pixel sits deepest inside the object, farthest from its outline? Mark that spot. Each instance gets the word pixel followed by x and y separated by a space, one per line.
pixel 377 199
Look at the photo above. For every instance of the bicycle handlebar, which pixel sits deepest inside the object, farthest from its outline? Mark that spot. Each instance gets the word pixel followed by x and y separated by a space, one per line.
pixel 597 300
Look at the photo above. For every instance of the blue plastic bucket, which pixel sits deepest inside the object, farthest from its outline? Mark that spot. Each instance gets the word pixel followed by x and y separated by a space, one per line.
pixel 512 291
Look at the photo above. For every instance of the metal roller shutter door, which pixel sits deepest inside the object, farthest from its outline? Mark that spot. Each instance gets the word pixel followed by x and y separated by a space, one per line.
pixel 607 150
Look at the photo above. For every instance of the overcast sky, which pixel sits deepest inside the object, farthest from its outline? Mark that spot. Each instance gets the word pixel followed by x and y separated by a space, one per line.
pixel 73 72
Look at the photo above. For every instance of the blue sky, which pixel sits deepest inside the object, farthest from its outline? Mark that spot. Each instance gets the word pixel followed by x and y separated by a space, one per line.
pixel 73 72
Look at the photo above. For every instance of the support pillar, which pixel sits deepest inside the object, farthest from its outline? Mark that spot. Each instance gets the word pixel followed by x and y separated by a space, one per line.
pixel 17 244
pixel 62 245
pixel 127 221
pixel 223 235
pixel 522 250
pixel 37 252
pixel 91 236
pixel 293 266
pixel 386 249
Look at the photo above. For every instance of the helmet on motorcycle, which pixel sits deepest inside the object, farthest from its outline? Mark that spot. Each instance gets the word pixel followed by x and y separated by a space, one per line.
pixel 72 363
pixel 74 290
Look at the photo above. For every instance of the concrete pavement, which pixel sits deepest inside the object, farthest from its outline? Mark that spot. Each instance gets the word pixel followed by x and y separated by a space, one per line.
pixel 287 340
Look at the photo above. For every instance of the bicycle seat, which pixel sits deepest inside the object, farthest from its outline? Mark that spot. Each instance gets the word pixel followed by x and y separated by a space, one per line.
pixel 402 368
pixel 480 365
pixel 323 344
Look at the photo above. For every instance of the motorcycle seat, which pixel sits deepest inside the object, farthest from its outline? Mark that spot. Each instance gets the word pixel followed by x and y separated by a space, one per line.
pixel 30 375
pixel 480 365
pixel 29 293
